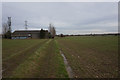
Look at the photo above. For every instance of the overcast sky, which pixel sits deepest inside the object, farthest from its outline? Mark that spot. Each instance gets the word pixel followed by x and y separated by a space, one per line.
pixel 67 17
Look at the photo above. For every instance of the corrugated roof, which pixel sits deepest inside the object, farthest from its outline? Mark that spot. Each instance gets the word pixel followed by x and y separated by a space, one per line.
pixel 26 30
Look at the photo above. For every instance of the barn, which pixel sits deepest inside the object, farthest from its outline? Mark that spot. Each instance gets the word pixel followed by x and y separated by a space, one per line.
pixel 28 34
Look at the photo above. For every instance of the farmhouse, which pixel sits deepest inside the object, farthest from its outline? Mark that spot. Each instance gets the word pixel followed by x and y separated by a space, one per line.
pixel 27 34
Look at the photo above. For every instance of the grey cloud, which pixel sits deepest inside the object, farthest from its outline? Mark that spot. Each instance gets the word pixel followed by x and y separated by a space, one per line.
pixel 68 17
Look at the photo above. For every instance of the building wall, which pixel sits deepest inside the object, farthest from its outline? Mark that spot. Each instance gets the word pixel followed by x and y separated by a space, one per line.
pixel 28 35
pixel 35 35
pixel 19 37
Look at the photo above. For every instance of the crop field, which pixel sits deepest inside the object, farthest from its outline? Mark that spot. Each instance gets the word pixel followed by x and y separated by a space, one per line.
pixel 91 57
pixel 88 57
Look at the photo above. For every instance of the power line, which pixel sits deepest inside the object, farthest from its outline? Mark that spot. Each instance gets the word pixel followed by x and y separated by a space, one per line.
pixel 26 25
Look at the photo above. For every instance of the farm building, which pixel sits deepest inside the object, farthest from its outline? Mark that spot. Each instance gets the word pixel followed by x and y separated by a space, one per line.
pixel 27 34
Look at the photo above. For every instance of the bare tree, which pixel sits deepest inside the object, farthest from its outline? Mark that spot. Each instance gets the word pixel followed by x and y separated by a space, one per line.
pixel 52 30
pixel 5 29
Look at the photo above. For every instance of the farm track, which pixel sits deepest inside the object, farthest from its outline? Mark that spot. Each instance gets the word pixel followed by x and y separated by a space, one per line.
pixel 11 63
pixel 29 71
pixel 43 62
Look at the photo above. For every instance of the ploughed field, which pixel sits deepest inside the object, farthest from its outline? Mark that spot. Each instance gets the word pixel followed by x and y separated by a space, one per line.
pixel 88 57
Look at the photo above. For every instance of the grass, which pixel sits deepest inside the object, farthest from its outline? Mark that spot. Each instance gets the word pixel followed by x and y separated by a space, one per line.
pixel 39 59
pixel 91 57
pixel 88 56
pixel 14 47
pixel 12 59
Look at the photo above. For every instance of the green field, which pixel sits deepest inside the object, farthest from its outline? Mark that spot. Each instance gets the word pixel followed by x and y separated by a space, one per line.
pixel 88 57
pixel 32 59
